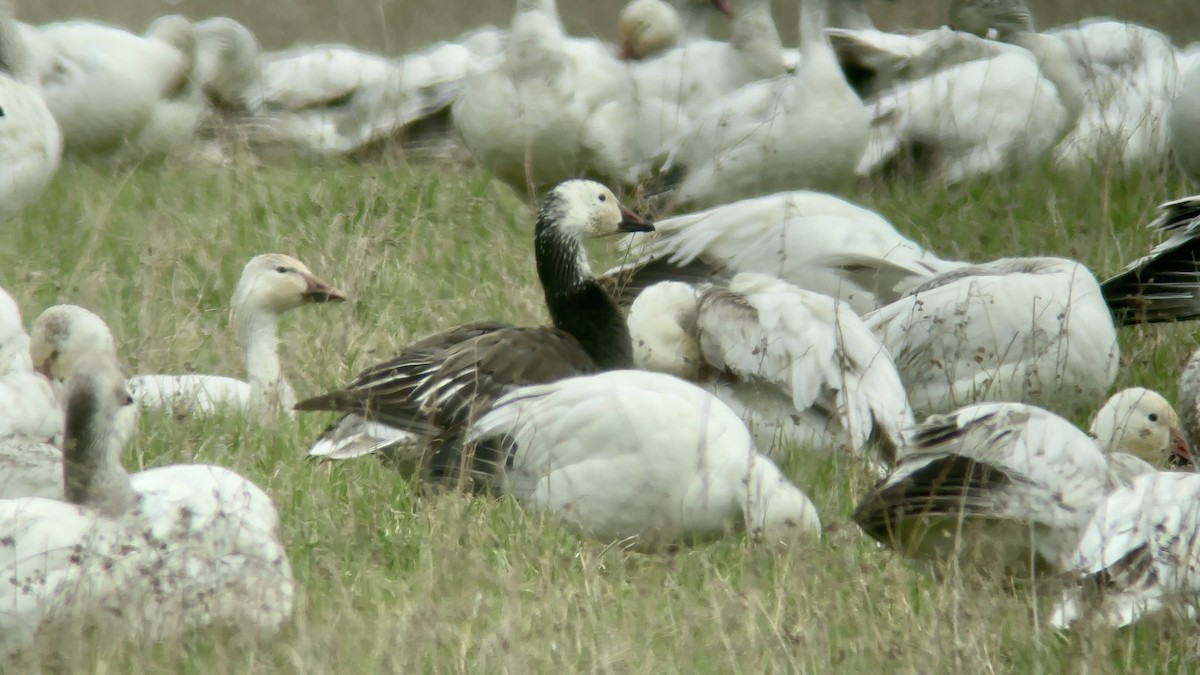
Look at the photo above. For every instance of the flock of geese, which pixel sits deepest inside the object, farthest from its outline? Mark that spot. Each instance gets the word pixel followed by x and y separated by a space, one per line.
pixel 653 409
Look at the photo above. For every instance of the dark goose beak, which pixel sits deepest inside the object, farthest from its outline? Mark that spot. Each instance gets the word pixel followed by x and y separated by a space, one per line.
pixel 632 222
pixel 1180 456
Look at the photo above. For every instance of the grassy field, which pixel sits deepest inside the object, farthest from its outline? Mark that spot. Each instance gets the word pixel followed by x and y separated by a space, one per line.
pixel 392 581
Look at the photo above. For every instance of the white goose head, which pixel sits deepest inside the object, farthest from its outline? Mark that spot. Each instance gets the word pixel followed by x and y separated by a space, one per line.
pixel 646 27
pixel 274 283
pixel 62 335
pixel 1141 423
pixel 585 208
pixel 662 326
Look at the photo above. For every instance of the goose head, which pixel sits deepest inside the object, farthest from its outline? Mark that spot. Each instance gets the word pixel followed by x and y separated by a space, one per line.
pixel 274 283
pixel 1142 423
pixel 14 343
pixel 776 511
pixel 62 335
pixel 100 416
pixel 582 209
pixel 227 55
pixel 647 26
pixel 662 327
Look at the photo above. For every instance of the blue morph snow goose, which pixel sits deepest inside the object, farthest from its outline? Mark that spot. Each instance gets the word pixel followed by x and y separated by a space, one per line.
pixel 167 550
pixel 799 366
pixel 645 459
pixel 436 386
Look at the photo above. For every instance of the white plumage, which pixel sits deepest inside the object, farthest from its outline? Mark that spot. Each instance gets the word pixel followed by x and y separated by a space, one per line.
pixel 30 140
pixel 642 458
pixel 30 418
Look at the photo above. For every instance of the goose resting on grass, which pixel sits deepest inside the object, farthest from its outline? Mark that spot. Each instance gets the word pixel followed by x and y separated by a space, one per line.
pixel 438 385
pixel 270 285
pixel 1011 483
pixel 30 417
pixel 145 556
pixel 641 458
pixel 800 367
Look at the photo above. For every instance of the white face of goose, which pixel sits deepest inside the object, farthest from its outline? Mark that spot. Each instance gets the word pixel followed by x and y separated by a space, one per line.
pixel 647 26
pixel 64 333
pixel 1142 423
pixel 660 321
pixel 586 208
pixel 275 283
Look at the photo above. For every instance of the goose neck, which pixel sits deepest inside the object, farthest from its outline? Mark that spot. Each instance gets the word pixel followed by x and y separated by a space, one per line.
pixel 814 18
pixel 92 473
pixel 754 29
pixel 576 301
pixel 1056 64
pixel 257 330
pixel 15 56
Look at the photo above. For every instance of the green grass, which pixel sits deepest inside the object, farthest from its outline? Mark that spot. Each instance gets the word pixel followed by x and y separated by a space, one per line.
pixel 394 581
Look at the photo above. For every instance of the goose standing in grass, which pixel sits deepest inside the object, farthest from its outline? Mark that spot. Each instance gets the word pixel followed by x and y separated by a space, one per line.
pixel 595 452
pixel 30 140
pixel 30 417
pixel 122 94
pixel 800 367
pixel 1139 555
pixel 1012 483
pixel 438 385
pixel 270 285
pixel 805 129
pixel 1184 123
pixel 1007 109
pixel 145 556
pixel 816 241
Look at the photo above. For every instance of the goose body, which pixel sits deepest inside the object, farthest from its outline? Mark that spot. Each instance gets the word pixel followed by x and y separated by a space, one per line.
pixel 112 91
pixel 228 65
pixel 438 385
pixel 30 140
pixel 593 451
pixel 801 130
pixel 30 417
pixel 1011 482
pixel 800 367
pixel 1138 555
pixel 167 550
pixel 1184 122
pixel 813 240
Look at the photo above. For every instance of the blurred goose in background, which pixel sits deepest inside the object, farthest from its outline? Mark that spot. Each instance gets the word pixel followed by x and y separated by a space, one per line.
pixel 594 451
pixel 113 92
pixel 813 240
pixel 1008 105
pixel 228 65
pixel 30 417
pixel 648 27
pixel 1138 555
pixel 436 387
pixel 30 140
pixel 164 551
pixel 799 367
pixel 1184 121
pixel 270 285
pixel 802 130
pixel 1008 482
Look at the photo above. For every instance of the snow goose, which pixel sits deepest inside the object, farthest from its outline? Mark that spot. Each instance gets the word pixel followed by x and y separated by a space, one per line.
pixel 165 550
pixel 648 27
pixel 1010 483
pixel 801 130
pixel 594 452
pixel 1139 555
pixel 816 241
pixel 30 141
pixel 1184 123
pixel 799 366
pixel 438 385
pixel 979 117
pixel 1139 432
pixel 30 417
pixel 270 285
pixel 524 115
pixel 701 72
pixel 228 64
pixel 115 92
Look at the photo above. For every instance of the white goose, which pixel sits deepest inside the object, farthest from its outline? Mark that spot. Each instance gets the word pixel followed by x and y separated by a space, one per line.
pixel 228 65
pixel 270 285
pixel 1139 554
pixel 649 27
pixel 801 130
pixel 30 417
pixel 166 550
pixel 799 367
pixel 30 141
pixel 975 118
pixel 1138 431
pixel 1184 122
pixel 816 241
pixel 115 92
pixel 594 451
pixel 1010 482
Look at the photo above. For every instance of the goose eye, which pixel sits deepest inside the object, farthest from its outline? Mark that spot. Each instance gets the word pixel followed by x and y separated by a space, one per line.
pixel 281 269
pixel 1153 417
pixel 603 198
pixel 127 400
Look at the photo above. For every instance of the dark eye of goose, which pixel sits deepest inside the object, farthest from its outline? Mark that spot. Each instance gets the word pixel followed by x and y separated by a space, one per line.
pixel 1153 417
pixel 603 198
pixel 281 269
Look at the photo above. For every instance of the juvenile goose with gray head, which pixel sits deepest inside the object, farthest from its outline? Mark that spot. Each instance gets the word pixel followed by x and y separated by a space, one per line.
pixel 166 550
pixel 438 385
